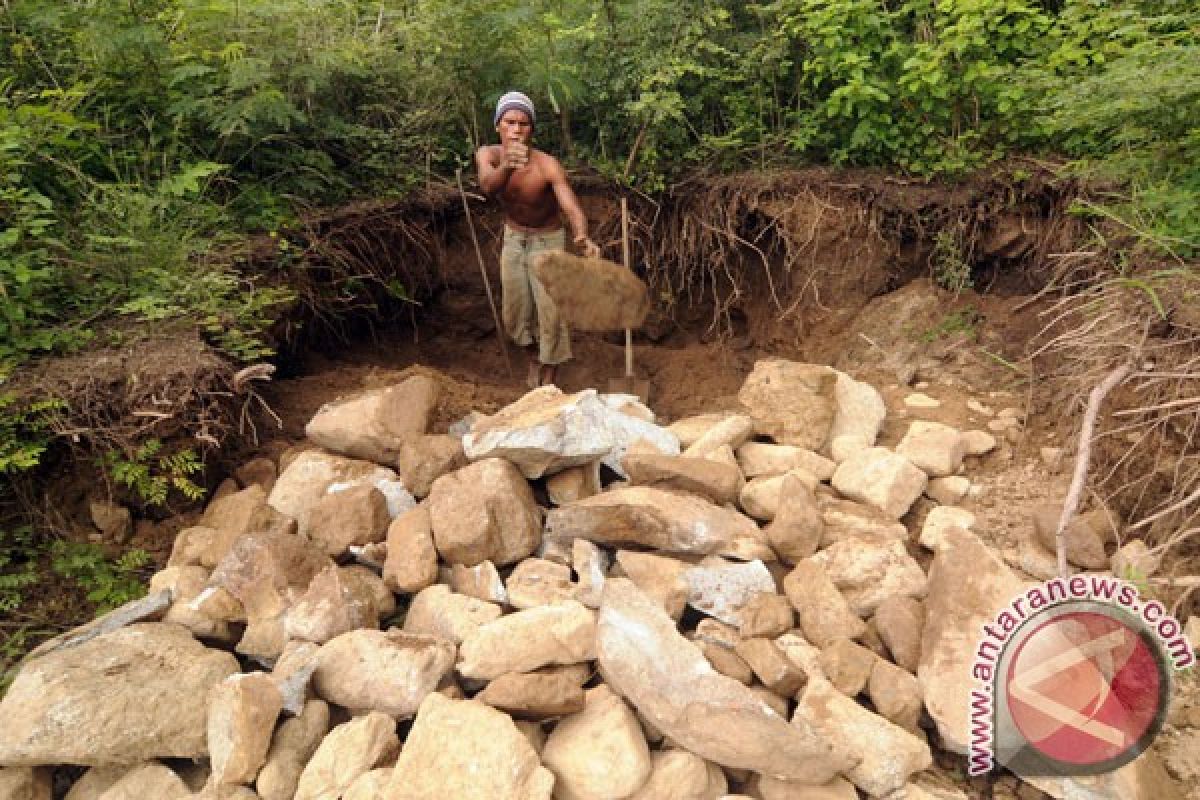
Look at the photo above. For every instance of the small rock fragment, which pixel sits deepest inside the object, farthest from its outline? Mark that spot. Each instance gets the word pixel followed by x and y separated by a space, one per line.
pixel 880 478
pixel 896 694
pixel 242 711
pixel 766 614
pixel 481 581
pixel 574 483
pixel 949 491
pixel 798 525
pixel 772 666
pixel 823 612
pixel 551 692
pixel 537 582
pixel 978 443
pixel 899 621
pixel 412 559
pixel 940 520
pixel 847 665
pixel 919 400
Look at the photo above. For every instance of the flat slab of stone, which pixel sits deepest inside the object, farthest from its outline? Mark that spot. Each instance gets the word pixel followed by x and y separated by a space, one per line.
pixel 675 522
pixel 717 481
pixel 152 607
pixel 887 754
pixel 123 697
pixel 968 586
pixel 552 692
pixel 667 679
pixel 689 430
pixel 763 458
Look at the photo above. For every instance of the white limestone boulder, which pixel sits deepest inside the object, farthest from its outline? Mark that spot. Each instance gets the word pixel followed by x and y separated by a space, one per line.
pixel 860 412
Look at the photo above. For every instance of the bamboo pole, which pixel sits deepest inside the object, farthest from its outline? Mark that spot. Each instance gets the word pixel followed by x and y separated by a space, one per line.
pixel 487 284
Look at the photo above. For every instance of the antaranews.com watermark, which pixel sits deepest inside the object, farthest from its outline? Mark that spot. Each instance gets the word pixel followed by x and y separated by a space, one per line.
pixel 1073 677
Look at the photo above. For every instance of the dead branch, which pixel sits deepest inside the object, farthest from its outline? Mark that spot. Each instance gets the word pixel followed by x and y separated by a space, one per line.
pixel 1079 478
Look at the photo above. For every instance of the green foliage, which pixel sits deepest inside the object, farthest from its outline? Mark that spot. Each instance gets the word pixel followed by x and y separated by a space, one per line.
pixel 949 269
pixel 108 583
pixel 18 566
pixel 137 138
pixel 964 321
pixel 24 432
pixel 1123 97
pixel 151 474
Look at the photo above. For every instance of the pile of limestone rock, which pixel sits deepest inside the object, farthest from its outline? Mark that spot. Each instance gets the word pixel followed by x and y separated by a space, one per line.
pixel 562 600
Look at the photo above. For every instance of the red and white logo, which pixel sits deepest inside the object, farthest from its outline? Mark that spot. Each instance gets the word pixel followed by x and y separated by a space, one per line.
pixel 1082 689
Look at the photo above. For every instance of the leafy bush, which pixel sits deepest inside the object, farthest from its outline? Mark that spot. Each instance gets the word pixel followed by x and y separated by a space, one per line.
pixel 18 566
pixel 108 583
pixel 152 475
pixel 136 138
pixel 24 432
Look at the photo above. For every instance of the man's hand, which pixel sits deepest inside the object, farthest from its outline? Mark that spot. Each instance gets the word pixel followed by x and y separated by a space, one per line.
pixel 589 248
pixel 516 155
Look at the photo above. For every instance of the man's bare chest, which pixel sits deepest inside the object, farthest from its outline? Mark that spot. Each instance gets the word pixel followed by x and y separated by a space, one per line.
pixel 527 187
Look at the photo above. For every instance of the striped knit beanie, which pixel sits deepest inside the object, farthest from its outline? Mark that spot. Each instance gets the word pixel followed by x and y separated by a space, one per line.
pixel 514 100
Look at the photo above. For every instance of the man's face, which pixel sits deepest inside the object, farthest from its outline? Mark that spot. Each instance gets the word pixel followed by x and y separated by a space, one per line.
pixel 515 126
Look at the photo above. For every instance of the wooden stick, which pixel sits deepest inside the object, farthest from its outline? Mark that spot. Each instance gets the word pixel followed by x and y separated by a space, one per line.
pixel 487 284
pixel 1081 461
pixel 625 259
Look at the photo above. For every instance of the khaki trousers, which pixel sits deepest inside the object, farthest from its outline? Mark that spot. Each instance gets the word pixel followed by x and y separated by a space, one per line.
pixel 529 313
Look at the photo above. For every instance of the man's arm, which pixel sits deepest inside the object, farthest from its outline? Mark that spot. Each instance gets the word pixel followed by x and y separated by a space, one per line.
pixel 569 204
pixel 494 169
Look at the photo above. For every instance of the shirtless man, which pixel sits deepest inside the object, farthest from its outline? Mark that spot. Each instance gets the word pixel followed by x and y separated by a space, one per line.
pixel 533 189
